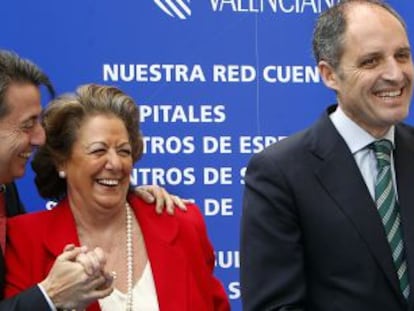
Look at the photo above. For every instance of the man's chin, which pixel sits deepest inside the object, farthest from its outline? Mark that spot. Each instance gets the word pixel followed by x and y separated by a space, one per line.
pixel 18 175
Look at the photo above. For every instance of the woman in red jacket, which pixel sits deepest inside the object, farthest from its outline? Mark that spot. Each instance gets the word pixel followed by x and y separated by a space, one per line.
pixel 160 262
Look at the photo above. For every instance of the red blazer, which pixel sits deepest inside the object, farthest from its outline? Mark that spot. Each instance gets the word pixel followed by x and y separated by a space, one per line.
pixel 181 256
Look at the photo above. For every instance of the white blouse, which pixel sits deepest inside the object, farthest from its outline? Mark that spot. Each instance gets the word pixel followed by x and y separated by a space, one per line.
pixel 144 295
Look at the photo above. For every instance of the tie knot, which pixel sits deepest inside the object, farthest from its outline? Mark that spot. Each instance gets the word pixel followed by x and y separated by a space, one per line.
pixel 382 149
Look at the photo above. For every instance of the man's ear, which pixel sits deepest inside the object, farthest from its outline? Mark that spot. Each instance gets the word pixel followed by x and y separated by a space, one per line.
pixel 328 74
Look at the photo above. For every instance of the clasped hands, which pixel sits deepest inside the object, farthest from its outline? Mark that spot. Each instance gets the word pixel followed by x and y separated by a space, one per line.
pixel 77 278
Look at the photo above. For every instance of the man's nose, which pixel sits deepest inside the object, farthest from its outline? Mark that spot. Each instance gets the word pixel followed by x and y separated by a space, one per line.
pixel 393 71
pixel 38 136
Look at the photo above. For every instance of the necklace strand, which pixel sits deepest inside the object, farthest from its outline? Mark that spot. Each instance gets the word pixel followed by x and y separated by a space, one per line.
pixel 129 251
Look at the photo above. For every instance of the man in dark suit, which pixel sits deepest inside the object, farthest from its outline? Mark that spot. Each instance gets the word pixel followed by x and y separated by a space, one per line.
pixel 315 231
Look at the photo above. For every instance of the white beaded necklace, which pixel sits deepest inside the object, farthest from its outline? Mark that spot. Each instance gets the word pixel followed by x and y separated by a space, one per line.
pixel 130 258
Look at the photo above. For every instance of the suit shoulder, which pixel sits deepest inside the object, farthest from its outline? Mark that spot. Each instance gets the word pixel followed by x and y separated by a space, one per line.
pixel 28 221
pixel 29 217
pixel 192 218
pixel 148 209
pixel 189 221
pixel 405 129
pixel 285 149
pixel 193 213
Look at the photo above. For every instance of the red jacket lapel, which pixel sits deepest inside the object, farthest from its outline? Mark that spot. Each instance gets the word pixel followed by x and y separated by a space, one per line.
pixel 168 261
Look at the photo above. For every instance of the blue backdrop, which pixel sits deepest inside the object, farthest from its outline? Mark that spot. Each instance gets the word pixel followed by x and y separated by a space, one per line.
pixel 216 80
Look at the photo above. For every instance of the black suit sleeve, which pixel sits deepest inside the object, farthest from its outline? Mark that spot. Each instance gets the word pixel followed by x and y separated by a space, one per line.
pixel 13 203
pixel 272 257
pixel 30 299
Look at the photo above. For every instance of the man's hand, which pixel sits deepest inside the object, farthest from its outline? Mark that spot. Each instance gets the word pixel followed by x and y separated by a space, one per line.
pixel 163 200
pixel 77 278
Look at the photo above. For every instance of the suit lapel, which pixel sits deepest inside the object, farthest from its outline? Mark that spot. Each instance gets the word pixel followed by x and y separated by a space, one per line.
pixel 340 176
pixel 168 261
pixel 404 167
pixel 61 229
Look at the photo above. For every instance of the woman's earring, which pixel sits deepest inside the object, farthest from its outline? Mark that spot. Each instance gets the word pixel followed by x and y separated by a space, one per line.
pixel 62 174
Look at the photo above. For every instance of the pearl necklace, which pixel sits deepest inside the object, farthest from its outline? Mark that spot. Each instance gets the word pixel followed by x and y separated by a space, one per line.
pixel 130 258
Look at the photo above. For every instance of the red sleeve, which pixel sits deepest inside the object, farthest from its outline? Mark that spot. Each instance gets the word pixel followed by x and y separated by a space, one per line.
pixel 19 257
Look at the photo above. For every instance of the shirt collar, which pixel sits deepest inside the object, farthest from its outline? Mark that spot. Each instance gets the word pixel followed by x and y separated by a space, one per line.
pixel 355 136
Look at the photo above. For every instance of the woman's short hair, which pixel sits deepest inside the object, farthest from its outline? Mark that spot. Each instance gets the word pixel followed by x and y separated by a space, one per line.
pixel 62 119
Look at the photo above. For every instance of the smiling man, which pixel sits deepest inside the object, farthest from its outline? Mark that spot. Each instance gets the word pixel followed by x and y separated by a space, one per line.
pixel 19 129
pixel 328 212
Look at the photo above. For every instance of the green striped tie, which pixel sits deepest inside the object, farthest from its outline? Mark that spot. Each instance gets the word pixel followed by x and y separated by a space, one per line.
pixel 387 205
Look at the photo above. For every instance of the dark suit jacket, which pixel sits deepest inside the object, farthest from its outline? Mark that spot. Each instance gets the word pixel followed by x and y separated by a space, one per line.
pixel 311 237
pixel 181 256
pixel 31 299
